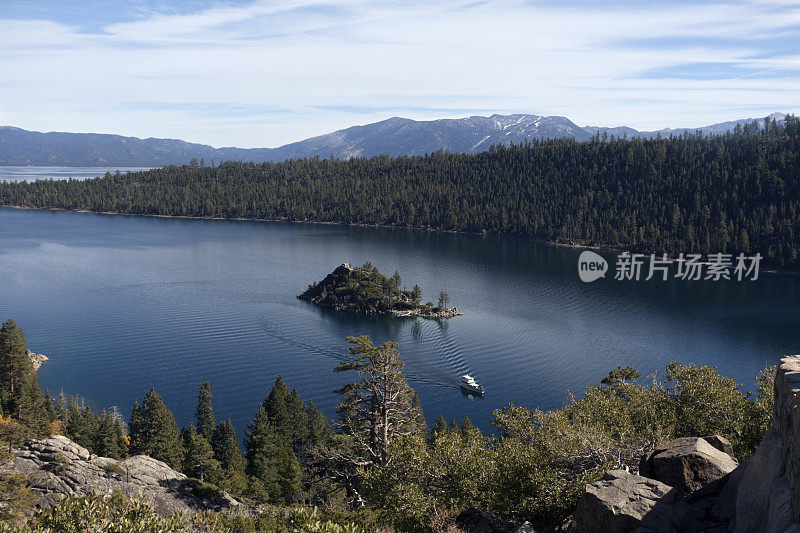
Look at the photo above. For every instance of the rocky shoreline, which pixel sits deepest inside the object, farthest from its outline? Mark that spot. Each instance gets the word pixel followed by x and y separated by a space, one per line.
pixel 422 312
pixel 435 313
pixel 37 359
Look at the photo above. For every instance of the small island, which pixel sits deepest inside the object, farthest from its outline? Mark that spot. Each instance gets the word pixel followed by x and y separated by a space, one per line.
pixel 365 290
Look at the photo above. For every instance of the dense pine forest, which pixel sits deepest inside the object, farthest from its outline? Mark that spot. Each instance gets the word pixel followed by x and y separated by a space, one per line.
pixel 738 192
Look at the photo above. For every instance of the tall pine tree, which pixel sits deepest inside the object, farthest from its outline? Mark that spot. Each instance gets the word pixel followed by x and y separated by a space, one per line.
pixel 20 395
pixel 199 457
pixel 154 431
pixel 205 412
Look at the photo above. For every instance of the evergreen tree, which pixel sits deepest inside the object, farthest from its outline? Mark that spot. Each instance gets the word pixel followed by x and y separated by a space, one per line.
pixel 20 394
pixel 380 406
pixel 280 423
pixel 466 427
pixel 157 434
pixel 199 457
pixel 263 450
pixel 416 294
pixel 290 476
pixel 319 427
pixel 226 447
pixel 49 407
pixel 277 408
pixel 418 424
pixel 231 473
pixel 298 416
pixel 205 411
pixel 136 430
pixel 109 437
pixel 441 427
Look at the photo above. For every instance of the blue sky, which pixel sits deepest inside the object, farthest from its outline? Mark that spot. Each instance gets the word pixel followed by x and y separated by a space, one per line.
pixel 266 72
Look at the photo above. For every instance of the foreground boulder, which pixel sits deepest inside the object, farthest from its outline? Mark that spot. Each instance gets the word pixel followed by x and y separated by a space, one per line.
pixel 58 468
pixel 690 463
pixel 622 502
pixel 694 484
pixel 767 492
pixel 676 490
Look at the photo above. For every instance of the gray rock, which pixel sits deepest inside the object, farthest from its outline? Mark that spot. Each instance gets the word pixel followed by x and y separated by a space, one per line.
pixel 623 502
pixel 768 491
pixel 689 463
pixel 724 507
pixel 753 492
pixel 711 493
pixel 721 443
pixel 37 359
pixel 763 494
pixel 59 468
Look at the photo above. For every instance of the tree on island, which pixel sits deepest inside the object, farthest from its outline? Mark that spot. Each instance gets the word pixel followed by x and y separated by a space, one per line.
pixel 416 294
pixel 444 300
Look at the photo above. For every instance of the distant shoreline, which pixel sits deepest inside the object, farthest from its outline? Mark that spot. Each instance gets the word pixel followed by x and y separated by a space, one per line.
pixel 606 248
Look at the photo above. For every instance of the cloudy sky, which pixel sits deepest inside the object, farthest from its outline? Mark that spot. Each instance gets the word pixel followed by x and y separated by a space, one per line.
pixel 267 72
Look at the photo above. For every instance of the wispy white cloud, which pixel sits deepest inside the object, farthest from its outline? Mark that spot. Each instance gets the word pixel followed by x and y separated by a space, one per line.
pixel 285 70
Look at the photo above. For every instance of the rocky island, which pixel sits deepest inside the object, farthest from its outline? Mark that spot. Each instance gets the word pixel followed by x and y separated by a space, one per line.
pixel 365 290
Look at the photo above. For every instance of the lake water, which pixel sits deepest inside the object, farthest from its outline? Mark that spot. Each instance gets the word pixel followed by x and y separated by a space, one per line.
pixel 60 173
pixel 121 304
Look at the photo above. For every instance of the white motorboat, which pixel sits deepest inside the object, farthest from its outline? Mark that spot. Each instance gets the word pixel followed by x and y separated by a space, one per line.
pixel 468 383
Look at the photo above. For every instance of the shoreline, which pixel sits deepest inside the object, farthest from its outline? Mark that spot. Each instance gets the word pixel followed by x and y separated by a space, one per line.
pixel 607 248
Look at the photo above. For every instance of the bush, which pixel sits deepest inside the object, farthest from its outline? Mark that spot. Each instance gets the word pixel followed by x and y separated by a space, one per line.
pixel 114 468
pixel 15 497
pixel 204 490
pixel 539 466
pixel 99 513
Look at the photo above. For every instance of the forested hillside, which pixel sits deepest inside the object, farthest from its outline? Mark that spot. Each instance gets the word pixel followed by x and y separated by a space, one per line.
pixel 738 192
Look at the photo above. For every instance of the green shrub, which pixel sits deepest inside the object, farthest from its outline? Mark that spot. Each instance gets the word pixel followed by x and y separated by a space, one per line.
pixel 100 513
pixel 204 490
pixel 15 496
pixel 60 459
pixel 114 468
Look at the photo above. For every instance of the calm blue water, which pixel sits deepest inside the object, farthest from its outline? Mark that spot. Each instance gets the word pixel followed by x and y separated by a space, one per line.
pixel 121 304
pixel 59 173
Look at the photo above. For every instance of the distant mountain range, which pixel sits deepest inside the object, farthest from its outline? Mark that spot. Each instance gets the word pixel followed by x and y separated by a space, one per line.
pixel 395 136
